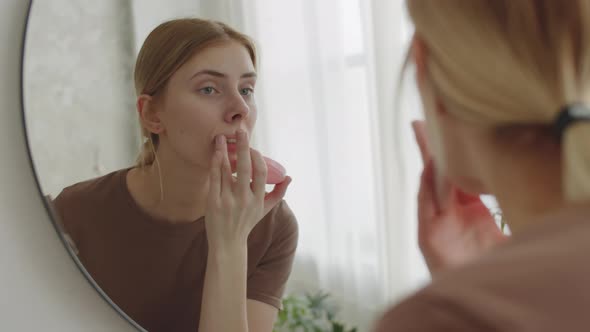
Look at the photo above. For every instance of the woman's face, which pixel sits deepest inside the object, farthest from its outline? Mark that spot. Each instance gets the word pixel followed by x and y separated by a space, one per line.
pixel 211 94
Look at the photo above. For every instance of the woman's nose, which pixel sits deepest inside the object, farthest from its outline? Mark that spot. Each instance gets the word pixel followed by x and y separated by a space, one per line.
pixel 237 109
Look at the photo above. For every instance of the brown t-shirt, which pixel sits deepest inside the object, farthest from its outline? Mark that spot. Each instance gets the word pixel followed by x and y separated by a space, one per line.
pixel 154 270
pixel 536 282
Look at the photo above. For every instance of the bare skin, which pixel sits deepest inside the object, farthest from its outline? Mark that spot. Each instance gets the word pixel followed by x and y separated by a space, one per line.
pixel 207 102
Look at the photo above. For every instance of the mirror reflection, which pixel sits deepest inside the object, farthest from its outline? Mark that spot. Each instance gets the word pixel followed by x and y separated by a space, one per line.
pixel 221 164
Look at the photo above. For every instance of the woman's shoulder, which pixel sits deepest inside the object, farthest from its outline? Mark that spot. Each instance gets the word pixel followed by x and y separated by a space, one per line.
pixel 86 196
pixel 279 226
pixel 91 190
pixel 79 204
pixel 516 279
pixel 282 219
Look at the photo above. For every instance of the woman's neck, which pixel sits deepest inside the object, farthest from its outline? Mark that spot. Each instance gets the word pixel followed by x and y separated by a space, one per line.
pixel 527 189
pixel 175 193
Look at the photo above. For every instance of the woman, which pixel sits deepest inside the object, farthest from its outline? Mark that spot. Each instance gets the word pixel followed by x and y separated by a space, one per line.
pixel 506 92
pixel 177 241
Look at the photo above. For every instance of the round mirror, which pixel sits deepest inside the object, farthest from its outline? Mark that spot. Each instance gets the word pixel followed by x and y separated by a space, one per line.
pixel 124 105
pixel 45 291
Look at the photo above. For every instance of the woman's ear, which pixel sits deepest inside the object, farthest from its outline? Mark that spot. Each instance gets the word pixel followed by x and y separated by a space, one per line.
pixel 148 115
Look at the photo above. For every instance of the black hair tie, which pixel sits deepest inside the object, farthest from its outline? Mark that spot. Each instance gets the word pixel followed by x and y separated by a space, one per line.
pixel 569 115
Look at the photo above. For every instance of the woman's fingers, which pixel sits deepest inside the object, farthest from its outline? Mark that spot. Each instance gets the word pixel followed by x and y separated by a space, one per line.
pixel 226 177
pixel 427 205
pixel 244 163
pixel 441 186
pixel 420 134
pixel 464 198
pixel 433 188
pixel 274 197
pixel 215 176
pixel 259 173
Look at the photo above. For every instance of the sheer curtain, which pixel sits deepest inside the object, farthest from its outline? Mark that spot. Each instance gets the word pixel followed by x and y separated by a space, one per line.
pixel 327 111
pixel 327 99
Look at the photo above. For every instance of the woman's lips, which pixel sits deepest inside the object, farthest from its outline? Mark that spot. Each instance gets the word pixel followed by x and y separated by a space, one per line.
pixel 232 148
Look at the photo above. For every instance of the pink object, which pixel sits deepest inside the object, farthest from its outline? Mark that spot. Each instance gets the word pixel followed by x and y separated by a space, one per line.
pixel 276 172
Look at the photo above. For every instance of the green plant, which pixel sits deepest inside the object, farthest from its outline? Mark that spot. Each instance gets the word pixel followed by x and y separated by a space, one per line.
pixel 309 313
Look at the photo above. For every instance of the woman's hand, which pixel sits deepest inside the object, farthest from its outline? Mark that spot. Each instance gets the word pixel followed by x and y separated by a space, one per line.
pixel 235 206
pixel 453 227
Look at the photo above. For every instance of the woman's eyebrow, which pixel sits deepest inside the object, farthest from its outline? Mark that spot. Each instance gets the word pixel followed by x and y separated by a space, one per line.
pixel 249 75
pixel 221 75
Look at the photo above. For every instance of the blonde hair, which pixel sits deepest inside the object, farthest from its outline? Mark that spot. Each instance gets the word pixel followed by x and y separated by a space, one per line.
pixel 506 62
pixel 167 48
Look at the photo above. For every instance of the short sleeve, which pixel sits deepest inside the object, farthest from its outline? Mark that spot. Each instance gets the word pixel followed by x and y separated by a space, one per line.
pixel 425 312
pixel 63 221
pixel 267 283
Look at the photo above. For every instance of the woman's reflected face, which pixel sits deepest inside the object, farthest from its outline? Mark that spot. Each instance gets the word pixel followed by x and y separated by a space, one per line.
pixel 211 94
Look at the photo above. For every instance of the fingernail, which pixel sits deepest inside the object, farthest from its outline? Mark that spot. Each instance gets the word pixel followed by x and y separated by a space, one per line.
pixel 219 139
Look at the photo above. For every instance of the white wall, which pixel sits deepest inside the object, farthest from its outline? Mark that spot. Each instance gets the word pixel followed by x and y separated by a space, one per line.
pixel 41 287
pixel 147 14
pixel 79 96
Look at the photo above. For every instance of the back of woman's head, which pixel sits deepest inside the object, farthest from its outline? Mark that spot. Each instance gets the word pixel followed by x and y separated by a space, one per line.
pixel 506 62
pixel 167 48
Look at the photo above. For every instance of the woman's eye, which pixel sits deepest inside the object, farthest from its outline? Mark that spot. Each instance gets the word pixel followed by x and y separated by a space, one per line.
pixel 207 90
pixel 247 91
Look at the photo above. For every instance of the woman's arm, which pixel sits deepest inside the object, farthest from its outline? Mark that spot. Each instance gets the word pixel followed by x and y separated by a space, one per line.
pixel 233 210
pixel 261 316
pixel 224 293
